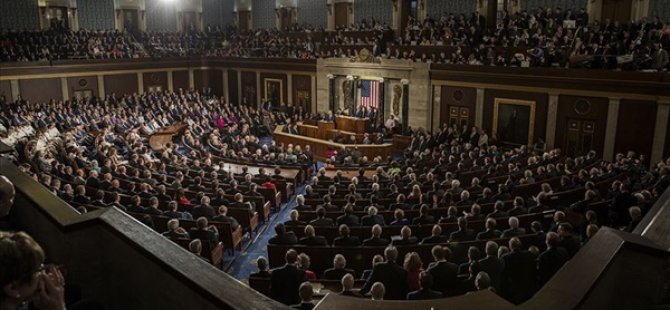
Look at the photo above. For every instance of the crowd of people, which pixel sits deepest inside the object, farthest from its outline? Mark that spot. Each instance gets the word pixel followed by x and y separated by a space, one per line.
pixel 545 37
pixel 450 178
pixel 63 44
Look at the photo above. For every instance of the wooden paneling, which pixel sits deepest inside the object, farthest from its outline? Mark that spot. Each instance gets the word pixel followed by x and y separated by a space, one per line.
pixel 6 90
pixel 211 78
pixel 302 84
pixel 180 80
pixel 40 90
pixel 540 99
pixel 635 127
pixel 233 95
pixel 457 97
pixel 275 76
pixel 597 113
pixel 154 79
pixel 83 83
pixel 120 84
pixel 667 140
pixel 341 14
pixel 249 87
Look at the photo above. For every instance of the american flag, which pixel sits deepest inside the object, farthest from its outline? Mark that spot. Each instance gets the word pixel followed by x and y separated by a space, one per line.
pixel 370 93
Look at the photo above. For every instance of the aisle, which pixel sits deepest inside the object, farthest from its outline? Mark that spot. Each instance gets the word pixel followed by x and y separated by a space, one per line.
pixel 243 264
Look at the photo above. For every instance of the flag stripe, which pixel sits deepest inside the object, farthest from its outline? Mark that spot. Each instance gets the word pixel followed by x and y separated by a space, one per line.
pixel 370 93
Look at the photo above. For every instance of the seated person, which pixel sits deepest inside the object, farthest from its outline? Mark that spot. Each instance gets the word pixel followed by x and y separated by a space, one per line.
pixel 282 236
pixel 262 265
pixel 345 239
pixel 224 218
pixel 339 269
pixel 426 291
pixel 204 231
pixel 406 237
pixel 311 238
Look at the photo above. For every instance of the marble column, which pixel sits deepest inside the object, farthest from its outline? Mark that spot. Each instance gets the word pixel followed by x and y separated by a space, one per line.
pixel 611 127
pixel 170 83
pixel 101 86
pixel 239 87
pixel 64 89
pixel 140 83
pixel 405 104
pixel 225 86
pixel 479 108
pixel 382 103
pixel 14 87
pixel 289 89
pixel 660 140
pixel 258 89
pixel 191 78
pixel 552 115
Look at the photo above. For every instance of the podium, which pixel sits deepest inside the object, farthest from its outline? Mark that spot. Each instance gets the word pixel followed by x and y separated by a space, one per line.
pixel 353 124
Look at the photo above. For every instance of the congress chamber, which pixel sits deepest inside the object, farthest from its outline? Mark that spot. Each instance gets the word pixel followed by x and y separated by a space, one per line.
pixel 334 154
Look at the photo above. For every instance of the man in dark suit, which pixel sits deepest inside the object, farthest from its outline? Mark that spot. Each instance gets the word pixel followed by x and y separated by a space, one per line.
pixel 424 218
pixel 339 269
pixel 492 264
pixel 321 219
pixel 224 218
pixel 519 274
pixel 406 237
pixel 514 229
pixel 463 233
pixel 348 286
pixel 372 218
pixel 491 232
pixel 203 209
pixel 306 292
pixel 282 236
pixel 618 212
pixel 376 239
pixel 348 218
pixel 389 273
pixel 345 239
pixel 444 272
pixel 568 241
pixel 286 280
pixel 204 231
pixel 311 238
pixel 551 260
pixel 435 237
pixel 426 291
pixel 262 265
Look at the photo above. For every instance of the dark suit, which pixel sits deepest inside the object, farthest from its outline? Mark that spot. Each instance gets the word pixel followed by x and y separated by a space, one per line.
pixel 434 239
pixel 315 240
pixel 322 222
pixel 570 244
pixel 445 277
pixel 202 234
pixel 303 306
pixel 488 234
pixel 392 276
pixel 227 219
pixel 423 220
pixel 375 241
pixel 409 241
pixel 424 294
pixel 203 210
pixel 462 235
pixel 512 232
pixel 519 276
pixel 372 220
pixel 348 219
pixel 337 273
pixel 286 238
pixel 494 266
pixel 549 262
pixel 284 284
pixel 347 241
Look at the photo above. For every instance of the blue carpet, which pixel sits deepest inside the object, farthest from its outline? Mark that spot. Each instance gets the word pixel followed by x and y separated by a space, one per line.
pixel 243 264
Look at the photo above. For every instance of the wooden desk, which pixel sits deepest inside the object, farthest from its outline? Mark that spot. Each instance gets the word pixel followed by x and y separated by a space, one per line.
pixel 326 131
pixel 160 138
pixel 355 124
pixel 321 147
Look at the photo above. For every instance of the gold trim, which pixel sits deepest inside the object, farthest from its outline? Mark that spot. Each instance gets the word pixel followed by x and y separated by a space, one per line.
pixel 531 125
pixel 266 82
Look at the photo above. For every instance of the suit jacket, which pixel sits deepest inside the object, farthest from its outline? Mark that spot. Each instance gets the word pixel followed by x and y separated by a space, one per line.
pixel 303 306
pixel 202 234
pixel 287 238
pixel 434 239
pixel 549 262
pixel 409 241
pixel 322 222
pixel 519 276
pixel 337 273
pixel 347 241
pixel 227 219
pixel 570 244
pixel 284 284
pixel 372 220
pixel 423 220
pixel 424 294
pixel 488 234
pixel 494 266
pixel 509 233
pixel 315 240
pixel 462 235
pixel 392 276
pixel 348 219
pixel 203 210
pixel 445 277
pixel 375 241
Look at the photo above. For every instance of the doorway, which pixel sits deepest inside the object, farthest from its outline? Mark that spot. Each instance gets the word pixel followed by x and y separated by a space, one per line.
pixel 580 136
pixel 617 10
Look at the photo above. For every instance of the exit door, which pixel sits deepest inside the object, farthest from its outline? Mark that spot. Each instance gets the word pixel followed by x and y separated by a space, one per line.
pixel 580 137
